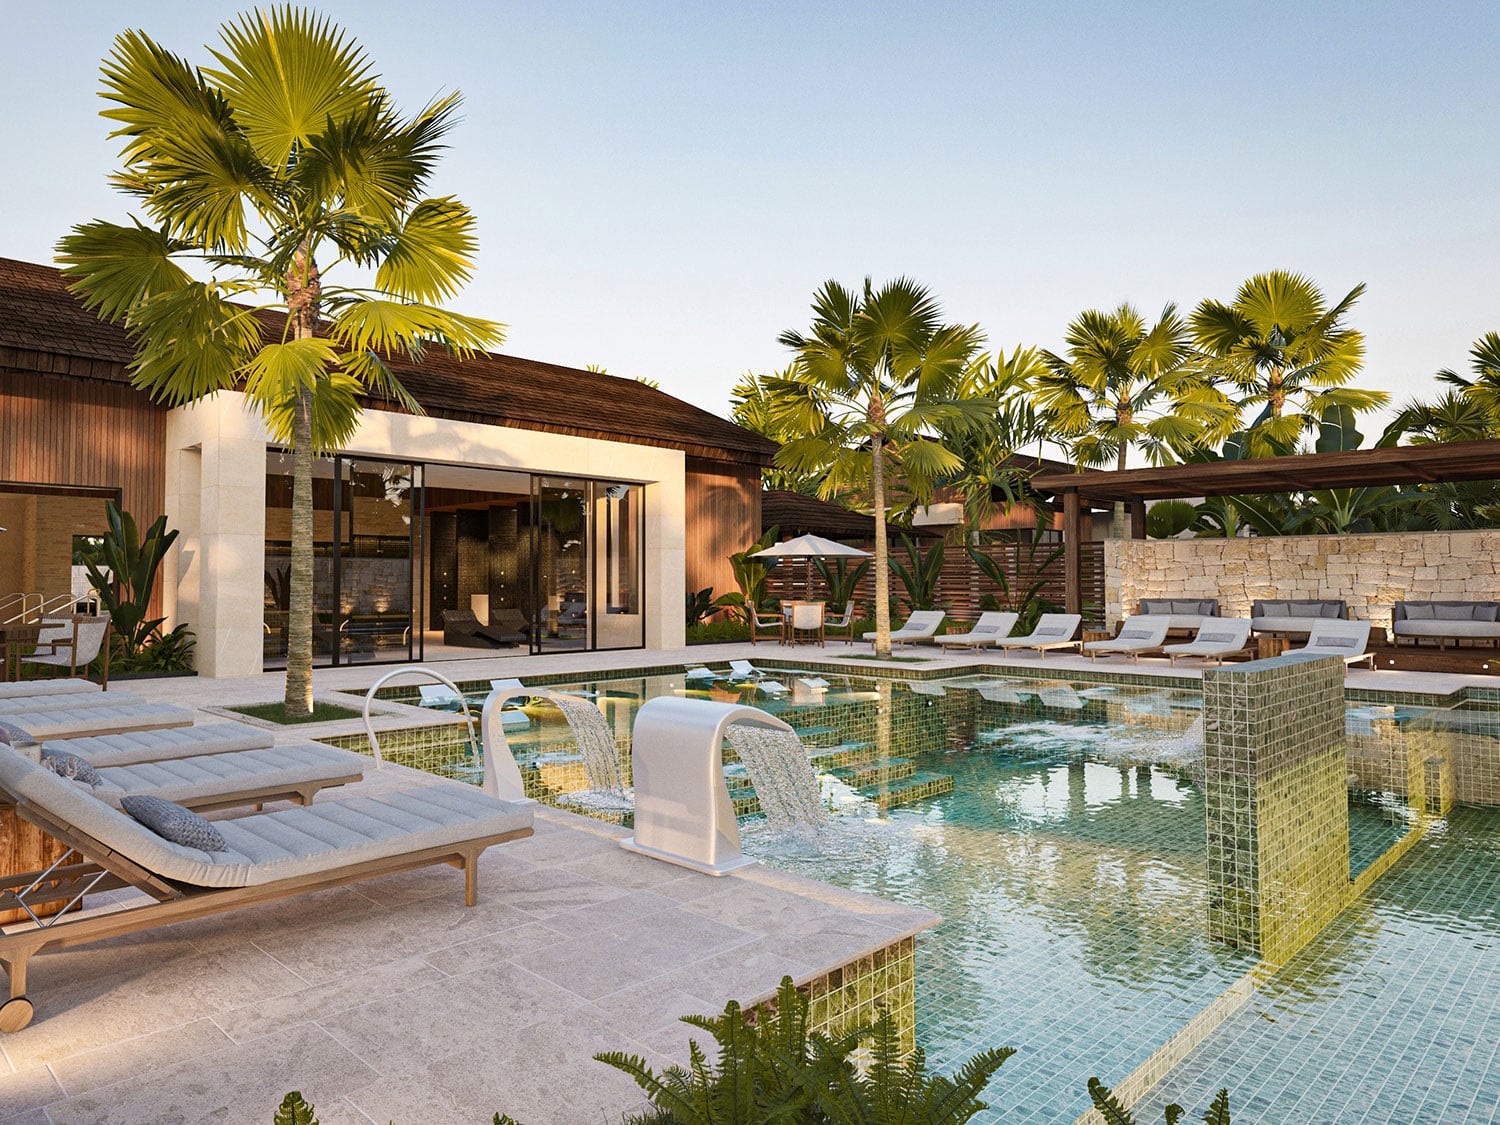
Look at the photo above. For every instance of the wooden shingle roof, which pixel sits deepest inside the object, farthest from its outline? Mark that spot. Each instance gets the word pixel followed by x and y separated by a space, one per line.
pixel 44 328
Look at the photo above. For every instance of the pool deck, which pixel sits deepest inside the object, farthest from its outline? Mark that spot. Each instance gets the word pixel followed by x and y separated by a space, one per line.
pixel 390 1000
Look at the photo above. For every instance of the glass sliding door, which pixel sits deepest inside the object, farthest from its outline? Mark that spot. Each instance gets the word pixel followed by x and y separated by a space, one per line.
pixel 619 574
pixel 276 603
pixel 377 562
pixel 562 606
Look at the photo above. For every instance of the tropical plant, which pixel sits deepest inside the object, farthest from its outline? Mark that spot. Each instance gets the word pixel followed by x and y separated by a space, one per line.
pixel 876 377
pixel 296 1110
pixel 1284 353
pixel 700 604
pixel 842 577
pixel 1124 384
pixel 750 406
pixel 920 576
pixel 750 576
pixel 1167 519
pixel 122 568
pixel 263 174
pixel 1025 597
pixel 1484 388
pixel 1113 1113
pixel 779 1071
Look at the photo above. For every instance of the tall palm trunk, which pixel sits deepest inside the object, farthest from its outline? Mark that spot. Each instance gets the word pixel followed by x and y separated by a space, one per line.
pixel 303 290
pixel 882 566
pixel 1117 525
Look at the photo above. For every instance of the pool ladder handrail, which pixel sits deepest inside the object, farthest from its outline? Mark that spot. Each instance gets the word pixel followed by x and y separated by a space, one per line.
pixel 409 670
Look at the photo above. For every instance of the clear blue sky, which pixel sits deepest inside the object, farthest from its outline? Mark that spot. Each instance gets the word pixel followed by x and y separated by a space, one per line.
pixel 661 188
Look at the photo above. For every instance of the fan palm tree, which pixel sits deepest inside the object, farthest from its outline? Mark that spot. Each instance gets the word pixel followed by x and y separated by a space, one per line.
pixel 751 406
pixel 1483 390
pixel 1280 347
pixel 257 178
pixel 876 377
pixel 1125 384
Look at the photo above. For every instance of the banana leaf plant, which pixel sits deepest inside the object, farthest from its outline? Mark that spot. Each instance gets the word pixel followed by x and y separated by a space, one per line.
pixel 122 570
pixel 842 577
pixel 750 576
pixel 919 577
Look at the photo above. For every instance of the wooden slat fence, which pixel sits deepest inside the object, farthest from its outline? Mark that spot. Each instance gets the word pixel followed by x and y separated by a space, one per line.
pixel 962 586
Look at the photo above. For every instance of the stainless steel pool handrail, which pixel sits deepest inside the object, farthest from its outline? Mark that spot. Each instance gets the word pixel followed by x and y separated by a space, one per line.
pixel 410 670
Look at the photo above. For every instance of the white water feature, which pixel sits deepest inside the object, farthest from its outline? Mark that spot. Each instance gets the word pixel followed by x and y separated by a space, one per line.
pixel 601 758
pixel 782 773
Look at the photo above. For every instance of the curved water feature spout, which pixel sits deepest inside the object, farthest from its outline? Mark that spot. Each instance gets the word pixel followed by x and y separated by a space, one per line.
pixel 782 774
pixel 596 744
pixel 683 813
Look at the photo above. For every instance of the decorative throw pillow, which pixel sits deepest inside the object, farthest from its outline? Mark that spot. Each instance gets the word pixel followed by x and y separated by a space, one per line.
pixel 71 766
pixel 1272 609
pixel 174 823
pixel 1454 612
pixel 1485 612
pixel 1419 611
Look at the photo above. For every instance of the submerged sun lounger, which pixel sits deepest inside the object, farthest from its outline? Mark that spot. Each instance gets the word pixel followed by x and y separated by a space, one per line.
pixel 1220 637
pixel 1053 630
pixel 159 745
pixel 74 722
pixel 269 856
pixel 990 627
pixel 1137 635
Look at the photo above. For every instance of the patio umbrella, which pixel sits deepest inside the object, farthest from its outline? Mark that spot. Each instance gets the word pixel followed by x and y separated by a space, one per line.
pixel 811 547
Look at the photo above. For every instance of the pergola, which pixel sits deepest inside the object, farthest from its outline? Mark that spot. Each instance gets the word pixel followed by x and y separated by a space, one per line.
pixel 1306 472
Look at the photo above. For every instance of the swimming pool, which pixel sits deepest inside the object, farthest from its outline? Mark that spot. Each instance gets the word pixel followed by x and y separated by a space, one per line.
pixel 1059 830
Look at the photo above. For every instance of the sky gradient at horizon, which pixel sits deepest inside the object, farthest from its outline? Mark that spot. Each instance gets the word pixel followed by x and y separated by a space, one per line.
pixel 660 188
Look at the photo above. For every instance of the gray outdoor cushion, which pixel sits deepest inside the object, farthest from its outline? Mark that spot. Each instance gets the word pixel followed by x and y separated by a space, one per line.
pixel 46 687
pixel 1410 628
pixel 217 775
pixel 159 745
pixel 1419 611
pixel 1272 609
pixel 175 823
pixel 268 847
pixel 70 766
pixel 1286 624
pixel 1452 612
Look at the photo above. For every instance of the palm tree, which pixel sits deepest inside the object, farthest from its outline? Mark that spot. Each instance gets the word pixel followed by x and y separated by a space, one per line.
pixel 1281 348
pixel 1483 391
pixel 877 375
pixel 1125 384
pixel 287 152
pixel 751 406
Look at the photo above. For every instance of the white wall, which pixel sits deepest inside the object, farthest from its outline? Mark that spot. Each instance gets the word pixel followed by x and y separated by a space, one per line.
pixel 215 494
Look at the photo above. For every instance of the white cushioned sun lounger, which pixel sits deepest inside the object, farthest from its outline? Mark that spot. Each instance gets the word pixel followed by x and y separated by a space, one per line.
pixel 15 704
pixel 1137 635
pixel 990 627
pixel 1345 639
pixel 268 856
pixel 217 781
pixel 158 745
pixel 1216 639
pixel 1053 630
pixel 920 626
pixel 74 722
pixel 47 687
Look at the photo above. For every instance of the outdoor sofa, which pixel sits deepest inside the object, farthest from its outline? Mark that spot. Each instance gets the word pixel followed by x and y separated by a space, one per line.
pixel 1446 621
pixel 1281 617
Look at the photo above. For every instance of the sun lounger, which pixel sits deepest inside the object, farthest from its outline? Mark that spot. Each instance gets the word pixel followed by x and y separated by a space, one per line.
pixel 1137 635
pixel 268 856
pixel 296 772
pixel 920 626
pixel 43 701
pixel 1053 630
pixel 1345 639
pixel 987 630
pixel 159 745
pixel 1221 637
pixel 74 722
pixel 744 670
pixel 47 687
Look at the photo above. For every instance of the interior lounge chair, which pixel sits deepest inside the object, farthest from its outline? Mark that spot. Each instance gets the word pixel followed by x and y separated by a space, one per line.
pixel 69 642
pixel 47 687
pixel 1344 639
pixel 67 721
pixel 463 630
pixel 266 856
pixel 987 630
pixel 1140 634
pixel 1216 639
pixel 1053 630
pixel 160 745
pixel 922 625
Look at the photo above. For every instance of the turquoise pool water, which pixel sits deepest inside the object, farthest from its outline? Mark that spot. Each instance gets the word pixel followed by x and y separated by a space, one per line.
pixel 1068 862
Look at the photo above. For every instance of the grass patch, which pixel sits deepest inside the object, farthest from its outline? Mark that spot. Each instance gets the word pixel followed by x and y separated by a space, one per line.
pixel 276 712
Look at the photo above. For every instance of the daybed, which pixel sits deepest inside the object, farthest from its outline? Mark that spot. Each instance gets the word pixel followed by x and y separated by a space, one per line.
pixel 1446 621
pixel 461 628
pixel 1286 617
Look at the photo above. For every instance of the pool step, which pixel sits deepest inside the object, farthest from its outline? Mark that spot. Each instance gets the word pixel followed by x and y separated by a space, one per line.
pixel 828 758
pixel 919 786
pixel 877 771
pixel 816 737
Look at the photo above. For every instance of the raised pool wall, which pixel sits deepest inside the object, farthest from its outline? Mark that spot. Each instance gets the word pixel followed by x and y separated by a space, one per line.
pixel 1370 572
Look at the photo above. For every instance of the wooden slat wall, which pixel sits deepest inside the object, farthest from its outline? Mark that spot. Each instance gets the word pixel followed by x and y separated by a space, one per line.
pixel 61 431
pixel 722 517
pixel 962 586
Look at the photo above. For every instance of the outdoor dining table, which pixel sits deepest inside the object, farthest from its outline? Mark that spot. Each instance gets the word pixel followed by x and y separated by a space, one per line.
pixel 14 637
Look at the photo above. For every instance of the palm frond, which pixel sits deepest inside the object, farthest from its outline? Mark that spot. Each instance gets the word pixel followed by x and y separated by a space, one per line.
pixel 113 268
pixel 431 256
pixel 190 342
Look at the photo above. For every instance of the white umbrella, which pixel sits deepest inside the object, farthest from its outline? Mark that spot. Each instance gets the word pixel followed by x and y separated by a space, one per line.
pixel 811 547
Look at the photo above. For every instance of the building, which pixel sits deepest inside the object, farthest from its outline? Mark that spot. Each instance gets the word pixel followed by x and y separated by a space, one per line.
pixel 575 507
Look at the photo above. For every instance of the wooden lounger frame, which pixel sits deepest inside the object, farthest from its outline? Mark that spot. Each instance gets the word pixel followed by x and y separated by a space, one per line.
pixel 98 868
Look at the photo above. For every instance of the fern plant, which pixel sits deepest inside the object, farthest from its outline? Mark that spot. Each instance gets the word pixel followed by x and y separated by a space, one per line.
pixel 294 1110
pixel 780 1073
pixel 1114 1113
pixel 920 577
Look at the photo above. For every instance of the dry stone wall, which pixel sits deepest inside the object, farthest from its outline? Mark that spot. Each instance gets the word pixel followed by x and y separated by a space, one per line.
pixel 1370 572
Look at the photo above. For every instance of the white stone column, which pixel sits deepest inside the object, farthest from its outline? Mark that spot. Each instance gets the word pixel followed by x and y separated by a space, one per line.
pixel 666 574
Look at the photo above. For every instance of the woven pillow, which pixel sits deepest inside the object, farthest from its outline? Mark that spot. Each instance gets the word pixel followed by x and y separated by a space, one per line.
pixel 71 766
pixel 174 823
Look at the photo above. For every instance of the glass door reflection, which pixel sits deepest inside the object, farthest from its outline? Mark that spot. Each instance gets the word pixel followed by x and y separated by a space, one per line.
pixel 561 602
